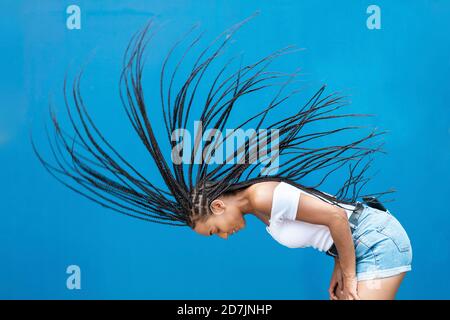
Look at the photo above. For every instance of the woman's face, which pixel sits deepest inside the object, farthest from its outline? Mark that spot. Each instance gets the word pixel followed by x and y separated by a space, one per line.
pixel 226 219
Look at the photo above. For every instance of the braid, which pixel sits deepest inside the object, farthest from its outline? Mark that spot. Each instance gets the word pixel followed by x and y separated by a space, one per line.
pixel 86 162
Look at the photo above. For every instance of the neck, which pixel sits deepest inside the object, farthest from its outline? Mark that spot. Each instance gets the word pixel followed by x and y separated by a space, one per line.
pixel 242 201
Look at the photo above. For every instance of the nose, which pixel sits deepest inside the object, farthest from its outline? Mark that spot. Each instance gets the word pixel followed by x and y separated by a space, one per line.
pixel 223 235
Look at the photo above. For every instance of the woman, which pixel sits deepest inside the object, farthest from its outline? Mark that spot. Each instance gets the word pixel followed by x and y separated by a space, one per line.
pixel 376 247
pixel 212 197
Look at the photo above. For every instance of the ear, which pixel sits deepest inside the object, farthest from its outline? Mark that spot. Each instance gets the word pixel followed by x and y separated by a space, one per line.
pixel 217 207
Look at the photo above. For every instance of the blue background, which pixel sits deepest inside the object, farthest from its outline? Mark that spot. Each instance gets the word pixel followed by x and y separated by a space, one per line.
pixel 399 73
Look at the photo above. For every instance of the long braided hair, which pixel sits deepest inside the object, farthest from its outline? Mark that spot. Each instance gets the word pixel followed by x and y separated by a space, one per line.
pixel 87 163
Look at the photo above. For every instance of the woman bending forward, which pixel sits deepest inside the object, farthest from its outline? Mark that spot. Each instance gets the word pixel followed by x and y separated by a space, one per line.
pixel 374 251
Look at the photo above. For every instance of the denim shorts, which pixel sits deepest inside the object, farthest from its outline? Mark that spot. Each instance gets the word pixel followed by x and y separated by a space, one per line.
pixel 382 246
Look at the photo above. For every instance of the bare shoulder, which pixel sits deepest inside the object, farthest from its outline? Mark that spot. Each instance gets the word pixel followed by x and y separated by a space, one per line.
pixel 261 195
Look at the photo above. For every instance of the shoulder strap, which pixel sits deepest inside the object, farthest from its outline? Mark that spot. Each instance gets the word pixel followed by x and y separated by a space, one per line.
pixel 374 203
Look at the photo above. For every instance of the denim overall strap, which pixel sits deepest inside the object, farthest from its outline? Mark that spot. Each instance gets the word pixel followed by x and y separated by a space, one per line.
pixel 353 221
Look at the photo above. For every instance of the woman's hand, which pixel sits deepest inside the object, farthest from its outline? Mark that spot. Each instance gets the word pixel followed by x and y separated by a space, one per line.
pixel 336 283
pixel 342 286
pixel 350 287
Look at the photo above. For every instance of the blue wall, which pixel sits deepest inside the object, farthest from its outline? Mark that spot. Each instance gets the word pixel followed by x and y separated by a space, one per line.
pixel 399 72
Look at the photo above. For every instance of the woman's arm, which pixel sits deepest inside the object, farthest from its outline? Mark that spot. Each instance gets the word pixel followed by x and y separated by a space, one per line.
pixel 336 284
pixel 316 211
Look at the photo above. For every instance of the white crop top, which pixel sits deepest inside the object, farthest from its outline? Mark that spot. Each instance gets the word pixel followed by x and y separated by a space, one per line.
pixel 292 233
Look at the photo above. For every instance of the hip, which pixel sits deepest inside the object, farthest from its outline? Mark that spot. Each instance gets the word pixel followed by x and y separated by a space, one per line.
pixel 382 245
